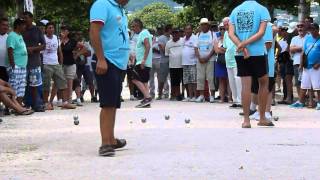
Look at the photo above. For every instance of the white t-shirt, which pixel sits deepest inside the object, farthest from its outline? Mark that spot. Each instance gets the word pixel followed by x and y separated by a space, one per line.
pixel 3 49
pixel 174 51
pixel 50 54
pixel 205 43
pixel 155 45
pixel 299 42
pixel 188 53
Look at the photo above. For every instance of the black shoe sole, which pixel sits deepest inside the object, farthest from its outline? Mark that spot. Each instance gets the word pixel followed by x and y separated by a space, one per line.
pixel 107 154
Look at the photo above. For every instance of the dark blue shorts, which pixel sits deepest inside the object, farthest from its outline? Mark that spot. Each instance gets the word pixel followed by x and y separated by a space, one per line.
pixel 109 86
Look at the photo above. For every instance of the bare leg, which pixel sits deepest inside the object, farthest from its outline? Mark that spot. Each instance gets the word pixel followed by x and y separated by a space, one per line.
pixel 289 88
pixel 263 96
pixel 107 123
pixel 11 103
pixel 34 94
pixel 246 98
pixel 143 87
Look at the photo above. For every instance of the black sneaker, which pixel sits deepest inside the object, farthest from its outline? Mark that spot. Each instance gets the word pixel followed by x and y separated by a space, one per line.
pixel 120 144
pixel 82 100
pixel 39 109
pixel 94 100
pixel 233 106
pixel 144 103
pixel 106 150
pixel 251 112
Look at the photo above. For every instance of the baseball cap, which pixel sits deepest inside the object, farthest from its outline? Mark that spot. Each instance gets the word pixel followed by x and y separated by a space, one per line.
pixel 292 27
pixel 204 21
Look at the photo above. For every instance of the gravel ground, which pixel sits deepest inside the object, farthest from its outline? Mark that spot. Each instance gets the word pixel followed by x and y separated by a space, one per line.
pixel 213 146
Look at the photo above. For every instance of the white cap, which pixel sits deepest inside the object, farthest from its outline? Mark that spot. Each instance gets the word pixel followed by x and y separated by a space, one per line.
pixel 292 27
pixel 204 21
pixel 44 22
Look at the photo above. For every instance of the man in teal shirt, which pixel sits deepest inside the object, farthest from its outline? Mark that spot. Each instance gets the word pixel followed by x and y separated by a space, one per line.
pixel 17 59
pixel 110 41
pixel 141 72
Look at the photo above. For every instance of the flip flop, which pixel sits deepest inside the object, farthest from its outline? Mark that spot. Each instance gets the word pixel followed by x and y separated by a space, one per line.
pixel 246 126
pixel 24 113
pixel 266 124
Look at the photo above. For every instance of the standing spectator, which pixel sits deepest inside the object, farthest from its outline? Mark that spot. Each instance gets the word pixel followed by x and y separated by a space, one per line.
pixel 247 26
pixel 287 71
pixel 69 64
pixel 110 41
pixel 52 69
pixel 133 43
pixel 156 57
pixel 220 65
pixel 311 66
pixel 308 21
pixel 234 80
pixel 143 64
pixel 34 39
pixel 296 48
pixel 4 28
pixel 164 62
pixel 174 51
pixel 189 63
pixel 18 59
pixel 205 54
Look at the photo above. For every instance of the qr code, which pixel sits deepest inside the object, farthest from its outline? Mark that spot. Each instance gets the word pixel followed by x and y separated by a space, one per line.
pixel 245 21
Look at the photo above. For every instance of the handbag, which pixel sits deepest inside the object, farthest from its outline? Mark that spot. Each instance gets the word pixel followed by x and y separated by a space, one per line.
pixel 305 55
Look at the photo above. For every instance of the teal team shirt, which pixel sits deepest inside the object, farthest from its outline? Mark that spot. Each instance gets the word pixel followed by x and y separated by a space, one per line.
pixel 246 19
pixel 140 48
pixel 114 34
pixel 20 54
pixel 230 51
pixel 268 37
pixel 314 52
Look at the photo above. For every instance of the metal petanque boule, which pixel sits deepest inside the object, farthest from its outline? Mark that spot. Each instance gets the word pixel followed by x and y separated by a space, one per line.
pixel 143 120
pixel 76 120
pixel 187 121
pixel 167 117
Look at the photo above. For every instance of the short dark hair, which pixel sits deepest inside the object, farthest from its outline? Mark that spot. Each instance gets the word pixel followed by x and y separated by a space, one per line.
pixel 189 25
pixel 65 27
pixel 4 19
pixel 139 22
pixel 49 24
pixel 167 28
pixel 27 13
pixel 315 26
pixel 18 22
pixel 310 19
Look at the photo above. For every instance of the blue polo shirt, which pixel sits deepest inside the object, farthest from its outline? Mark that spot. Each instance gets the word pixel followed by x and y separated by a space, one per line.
pixel 246 19
pixel 114 34
pixel 312 46
pixel 268 37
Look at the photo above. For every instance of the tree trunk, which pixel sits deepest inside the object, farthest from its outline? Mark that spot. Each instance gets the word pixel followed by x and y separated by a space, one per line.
pixel 20 7
pixel 304 10
pixel 2 12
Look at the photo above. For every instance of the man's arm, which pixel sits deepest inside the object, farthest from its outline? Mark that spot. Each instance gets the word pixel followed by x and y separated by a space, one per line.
pixel 146 52
pixel 11 57
pixel 95 39
pixel 41 46
pixel 60 55
pixel 257 36
pixel 232 35
pixel 268 45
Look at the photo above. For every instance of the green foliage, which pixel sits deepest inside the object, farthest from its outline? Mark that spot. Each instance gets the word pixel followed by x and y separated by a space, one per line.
pixel 135 5
pixel 187 16
pixel 154 15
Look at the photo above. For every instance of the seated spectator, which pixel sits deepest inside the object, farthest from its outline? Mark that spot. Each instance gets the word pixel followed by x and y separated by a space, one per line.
pixel 7 97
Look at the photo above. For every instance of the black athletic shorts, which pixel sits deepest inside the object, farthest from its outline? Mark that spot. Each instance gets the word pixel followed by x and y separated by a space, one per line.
pixel 109 86
pixel 289 69
pixel 139 74
pixel 176 76
pixel 255 85
pixel 3 74
pixel 255 66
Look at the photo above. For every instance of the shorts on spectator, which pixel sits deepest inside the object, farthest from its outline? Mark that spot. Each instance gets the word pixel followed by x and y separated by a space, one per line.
pixel 255 66
pixel 137 73
pixel 109 97
pixel 70 71
pixel 176 75
pixel 3 74
pixel 164 72
pixel 297 73
pixel 289 69
pixel 83 70
pixel 310 79
pixel 34 77
pixel 18 80
pixel 190 74
pixel 55 73
pixel 255 85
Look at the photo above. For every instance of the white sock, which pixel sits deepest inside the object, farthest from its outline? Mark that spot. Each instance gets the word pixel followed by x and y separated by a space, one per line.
pixel 78 100
pixel 253 106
